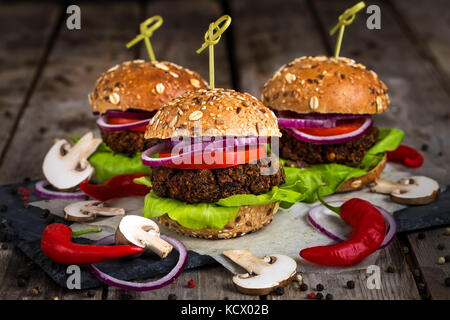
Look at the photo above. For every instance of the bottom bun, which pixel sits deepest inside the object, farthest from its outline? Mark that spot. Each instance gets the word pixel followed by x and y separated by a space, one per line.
pixel 247 219
pixel 360 182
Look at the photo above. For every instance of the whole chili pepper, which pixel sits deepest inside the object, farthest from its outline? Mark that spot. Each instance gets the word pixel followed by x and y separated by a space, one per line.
pixel 116 187
pixel 56 243
pixel 408 156
pixel 369 230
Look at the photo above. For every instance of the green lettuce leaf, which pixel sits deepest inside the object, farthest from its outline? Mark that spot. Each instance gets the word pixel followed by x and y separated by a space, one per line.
pixel 192 216
pixel 300 185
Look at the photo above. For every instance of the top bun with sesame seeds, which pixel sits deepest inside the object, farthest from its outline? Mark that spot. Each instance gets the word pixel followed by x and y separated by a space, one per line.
pixel 326 85
pixel 142 85
pixel 218 112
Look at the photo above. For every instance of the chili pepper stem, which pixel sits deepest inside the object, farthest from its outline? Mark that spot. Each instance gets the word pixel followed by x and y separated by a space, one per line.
pixel 332 208
pixel 84 231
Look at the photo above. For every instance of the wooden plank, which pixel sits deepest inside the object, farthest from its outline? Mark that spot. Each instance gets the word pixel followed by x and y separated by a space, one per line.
pixel 211 283
pixel 59 107
pixel 394 286
pixel 26 30
pixel 426 253
pixel 264 41
pixel 36 284
pixel 430 25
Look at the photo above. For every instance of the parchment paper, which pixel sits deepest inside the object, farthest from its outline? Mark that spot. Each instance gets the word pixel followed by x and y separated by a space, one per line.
pixel 287 234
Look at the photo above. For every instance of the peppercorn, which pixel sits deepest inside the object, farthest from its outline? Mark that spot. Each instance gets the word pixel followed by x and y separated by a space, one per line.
pixel 447 258
pixel 4 208
pixel 4 246
pixel 421 236
pixel 319 287
pixel 447 282
pixel 45 214
pixel 303 287
pixel 351 284
pixel 172 296
pixel 319 296
pixel 21 282
pixel 90 294
pixel 329 296
pixel 424 147
pixel 441 246
pixel 278 291
pixel 391 269
pixel 226 298
pixel 441 260
pixel 13 191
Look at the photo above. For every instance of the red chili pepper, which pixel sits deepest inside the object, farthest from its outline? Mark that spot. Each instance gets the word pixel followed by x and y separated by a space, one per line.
pixel 408 156
pixel 116 187
pixel 57 244
pixel 369 230
pixel 191 284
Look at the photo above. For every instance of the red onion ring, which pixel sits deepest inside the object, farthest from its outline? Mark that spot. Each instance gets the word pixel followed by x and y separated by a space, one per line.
pixel 102 123
pixel 305 123
pixel 41 191
pixel 340 138
pixel 315 212
pixel 226 144
pixel 152 285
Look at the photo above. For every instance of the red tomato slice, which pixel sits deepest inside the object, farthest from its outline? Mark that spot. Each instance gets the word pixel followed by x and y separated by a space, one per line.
pixel 125 121
pixel 224 159
pixel 344 126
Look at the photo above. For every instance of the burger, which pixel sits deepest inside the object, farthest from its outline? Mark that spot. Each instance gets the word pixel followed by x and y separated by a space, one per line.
pixel 214 176
pixel 125 98
pixel 324 107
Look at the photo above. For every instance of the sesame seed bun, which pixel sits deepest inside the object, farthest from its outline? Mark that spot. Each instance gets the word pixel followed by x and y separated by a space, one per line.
pixel 326 85
pixel 215 112
pixel 142 85
pixel 248 219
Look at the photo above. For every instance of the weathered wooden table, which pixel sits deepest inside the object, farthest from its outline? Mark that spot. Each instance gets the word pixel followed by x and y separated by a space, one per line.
pixel 47 71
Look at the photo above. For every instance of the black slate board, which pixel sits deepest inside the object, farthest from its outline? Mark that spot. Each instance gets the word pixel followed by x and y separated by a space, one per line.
pixel 24 227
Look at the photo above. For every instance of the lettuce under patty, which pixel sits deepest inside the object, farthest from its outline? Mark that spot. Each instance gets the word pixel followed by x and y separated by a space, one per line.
pixel 300 186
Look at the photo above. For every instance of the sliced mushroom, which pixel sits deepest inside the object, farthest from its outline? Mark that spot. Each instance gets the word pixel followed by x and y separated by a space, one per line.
pixel 88 210
pixel 416 190
pixel 142 232
pixel 66 167
pixel 264 275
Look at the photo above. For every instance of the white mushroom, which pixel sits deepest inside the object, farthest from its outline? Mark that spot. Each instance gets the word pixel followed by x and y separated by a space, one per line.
pixel 416 190
pixel 66 167
pixel 142 232
pixel 264 275
pixel 89 210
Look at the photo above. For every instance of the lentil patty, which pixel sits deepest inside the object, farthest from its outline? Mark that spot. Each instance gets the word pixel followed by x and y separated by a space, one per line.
pixel 128 142
pixel 349 153
pixel 210 185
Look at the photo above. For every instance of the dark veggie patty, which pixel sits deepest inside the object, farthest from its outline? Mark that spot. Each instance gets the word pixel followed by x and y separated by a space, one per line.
pixel 349 153
pixel 128 142
pixel 210 185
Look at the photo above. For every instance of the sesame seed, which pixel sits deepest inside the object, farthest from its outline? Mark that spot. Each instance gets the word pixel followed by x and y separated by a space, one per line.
pixel 114 98
pixel 196 115
pixel 195 82
pixel 314 103
pixel 161 66
pixel 160 88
